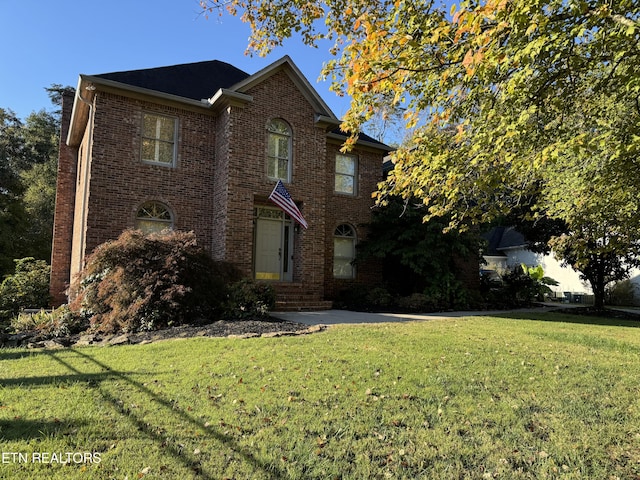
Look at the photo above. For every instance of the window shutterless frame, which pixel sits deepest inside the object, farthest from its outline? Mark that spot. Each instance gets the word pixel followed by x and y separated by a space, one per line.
pixel 346 174
pixel 153 217
pixel 159 134
pixel 279 150
pixel 344 251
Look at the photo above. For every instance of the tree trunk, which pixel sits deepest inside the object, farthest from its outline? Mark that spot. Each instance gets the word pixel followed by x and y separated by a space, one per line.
pixel 598 294
pixel 597 285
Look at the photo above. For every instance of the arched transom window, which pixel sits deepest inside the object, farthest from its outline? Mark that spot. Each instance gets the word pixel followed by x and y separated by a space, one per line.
pixel 344 251
pixel 279 150
pixel 153 217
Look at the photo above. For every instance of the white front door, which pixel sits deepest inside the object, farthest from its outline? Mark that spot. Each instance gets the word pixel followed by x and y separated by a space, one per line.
pixel 273 256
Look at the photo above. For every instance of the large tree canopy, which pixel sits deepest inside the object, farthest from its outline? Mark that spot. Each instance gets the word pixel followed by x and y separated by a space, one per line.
pixel 28 169
pixel 491 84
pixel 509 100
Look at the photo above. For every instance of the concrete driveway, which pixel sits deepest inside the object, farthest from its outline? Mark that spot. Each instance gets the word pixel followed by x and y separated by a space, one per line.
pixel 342 317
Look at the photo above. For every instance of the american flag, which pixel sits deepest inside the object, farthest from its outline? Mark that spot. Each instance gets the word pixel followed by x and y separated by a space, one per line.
pixel 281 197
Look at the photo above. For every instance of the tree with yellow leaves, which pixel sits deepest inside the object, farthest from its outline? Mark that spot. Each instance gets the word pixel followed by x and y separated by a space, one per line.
pixel 506 98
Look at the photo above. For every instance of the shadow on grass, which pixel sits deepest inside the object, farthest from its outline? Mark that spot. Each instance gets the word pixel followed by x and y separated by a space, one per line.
pixel 91 378
pixel 10 354
pixel 172 448
pixel 20 429
pixel 577 317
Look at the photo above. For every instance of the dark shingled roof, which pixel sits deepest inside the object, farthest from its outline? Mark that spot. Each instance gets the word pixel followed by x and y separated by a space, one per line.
pixel 190 80
pixel 501 238
pixel 361 136
pixel 195 81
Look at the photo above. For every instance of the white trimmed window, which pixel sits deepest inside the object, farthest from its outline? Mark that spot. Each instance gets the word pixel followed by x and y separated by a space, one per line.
pixel 159 139
pixel 346 168
pixel 279 150
pixel 153 217
pixel 344 251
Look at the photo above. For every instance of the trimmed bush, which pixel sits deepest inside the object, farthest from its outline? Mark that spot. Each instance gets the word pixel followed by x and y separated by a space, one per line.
pixel 28 287
pixel 146 282
pixel 416 303
pixel 249 300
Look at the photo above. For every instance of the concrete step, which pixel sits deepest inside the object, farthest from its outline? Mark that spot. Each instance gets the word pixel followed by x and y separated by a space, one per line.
pixel 302 306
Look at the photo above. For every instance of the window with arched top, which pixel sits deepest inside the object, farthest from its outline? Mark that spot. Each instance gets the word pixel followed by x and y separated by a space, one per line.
pixel 153 217
pixel 344 251
pixel 279 150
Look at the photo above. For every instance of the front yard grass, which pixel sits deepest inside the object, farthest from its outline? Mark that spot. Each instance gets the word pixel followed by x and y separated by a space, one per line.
pixel 478 397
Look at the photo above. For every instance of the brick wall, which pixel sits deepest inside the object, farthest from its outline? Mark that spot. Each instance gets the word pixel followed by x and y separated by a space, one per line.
pixel 63 221
pixel 352 210
pixel 249 186
pixel 120 182
pixel 219 178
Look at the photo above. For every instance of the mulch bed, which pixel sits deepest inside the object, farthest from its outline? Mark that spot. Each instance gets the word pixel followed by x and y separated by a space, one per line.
pixel 222 328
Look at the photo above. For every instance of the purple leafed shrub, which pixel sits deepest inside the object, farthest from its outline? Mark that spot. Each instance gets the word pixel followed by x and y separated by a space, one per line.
pixel 146 282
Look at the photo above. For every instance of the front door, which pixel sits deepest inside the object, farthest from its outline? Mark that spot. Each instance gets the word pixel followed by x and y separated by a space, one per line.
pixel 273 256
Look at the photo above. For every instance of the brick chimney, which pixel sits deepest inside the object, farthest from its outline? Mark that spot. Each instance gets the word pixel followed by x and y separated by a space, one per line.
pixel 63 219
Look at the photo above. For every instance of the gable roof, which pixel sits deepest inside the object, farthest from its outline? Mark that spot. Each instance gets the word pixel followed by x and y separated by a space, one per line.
pixel 209 85
pixel 195 81
pixel 286 64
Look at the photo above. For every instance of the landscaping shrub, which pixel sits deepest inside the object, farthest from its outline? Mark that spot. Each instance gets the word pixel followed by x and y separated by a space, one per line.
pixel 416 303
pixel 28 287
pixel 57 323
pixel 364 298
pixel 516 288
pixel 621 293
pixel 146 282
pixel 249 300
pixel 352 298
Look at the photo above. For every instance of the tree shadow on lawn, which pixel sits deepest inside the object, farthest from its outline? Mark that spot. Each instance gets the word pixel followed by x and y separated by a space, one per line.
pixel 10 354
pixel 153 432
pixel 18 429
pixel 580 315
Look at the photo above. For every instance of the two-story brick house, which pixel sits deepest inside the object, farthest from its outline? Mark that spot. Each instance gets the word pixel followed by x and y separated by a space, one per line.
pixel 200 147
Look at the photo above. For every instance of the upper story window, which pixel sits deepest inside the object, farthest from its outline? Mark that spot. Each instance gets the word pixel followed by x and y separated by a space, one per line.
pixel 153 217
pixel 346 168
pixel 159 139
pixel 279 150
pixel 344 251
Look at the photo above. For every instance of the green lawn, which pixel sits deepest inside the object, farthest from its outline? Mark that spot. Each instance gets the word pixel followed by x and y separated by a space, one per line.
pixel 480 397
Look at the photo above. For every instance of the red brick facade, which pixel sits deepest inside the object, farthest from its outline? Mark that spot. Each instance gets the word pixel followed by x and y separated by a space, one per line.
pixel 219 179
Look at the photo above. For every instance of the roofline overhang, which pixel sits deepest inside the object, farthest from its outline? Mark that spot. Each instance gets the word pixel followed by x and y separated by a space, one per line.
pixel 88 84
pixel 225 97
pixel 361 143
pixel 327 122
pixel 512 247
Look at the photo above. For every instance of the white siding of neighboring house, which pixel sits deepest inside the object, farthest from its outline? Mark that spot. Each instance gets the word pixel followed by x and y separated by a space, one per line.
pixel 567 278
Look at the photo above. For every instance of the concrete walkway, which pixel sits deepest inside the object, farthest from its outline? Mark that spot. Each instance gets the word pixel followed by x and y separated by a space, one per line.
pixel 343 317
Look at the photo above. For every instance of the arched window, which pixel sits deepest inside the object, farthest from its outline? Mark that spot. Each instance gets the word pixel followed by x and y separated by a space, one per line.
pixel 344 251
pixel 153 217
pixel 279 150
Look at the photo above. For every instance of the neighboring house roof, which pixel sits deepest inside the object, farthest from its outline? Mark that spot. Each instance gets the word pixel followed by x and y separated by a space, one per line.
pixel 503 238
pixel 195 81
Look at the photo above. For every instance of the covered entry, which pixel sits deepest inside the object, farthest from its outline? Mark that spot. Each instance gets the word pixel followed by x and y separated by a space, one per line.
pixel 273 245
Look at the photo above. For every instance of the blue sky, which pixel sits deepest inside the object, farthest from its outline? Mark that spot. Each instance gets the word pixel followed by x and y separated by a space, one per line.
pixel 50 42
